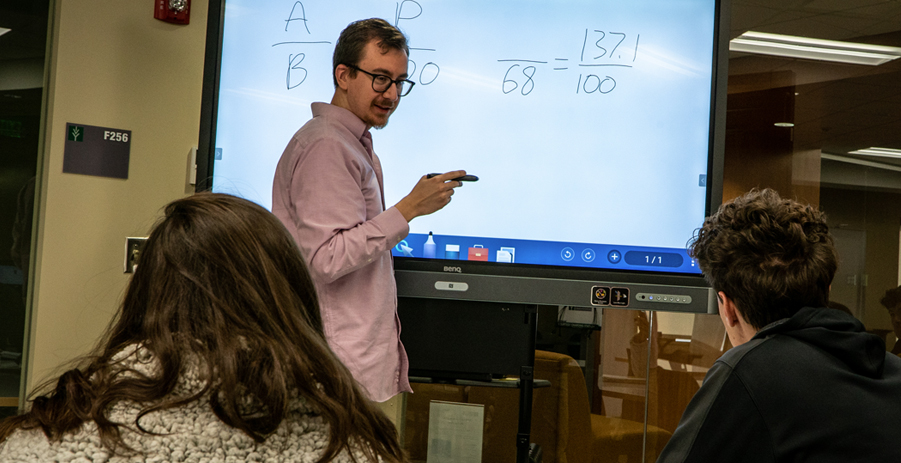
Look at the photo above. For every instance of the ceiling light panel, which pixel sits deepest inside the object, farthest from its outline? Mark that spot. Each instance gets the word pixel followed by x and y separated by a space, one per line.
pixel 789 46
pixel 876 151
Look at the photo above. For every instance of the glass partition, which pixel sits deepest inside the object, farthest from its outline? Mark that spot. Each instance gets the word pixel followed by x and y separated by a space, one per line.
pixel 23 34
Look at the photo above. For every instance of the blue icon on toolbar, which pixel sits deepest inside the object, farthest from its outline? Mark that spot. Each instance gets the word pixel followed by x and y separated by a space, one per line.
pixel 588 255
pixel 614 256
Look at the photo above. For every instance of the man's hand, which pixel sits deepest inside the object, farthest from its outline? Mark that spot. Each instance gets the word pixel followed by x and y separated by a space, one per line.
pixel 429 195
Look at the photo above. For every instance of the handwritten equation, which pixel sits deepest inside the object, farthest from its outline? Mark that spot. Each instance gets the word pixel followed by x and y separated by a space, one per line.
pixel 296 72
pixel 600 49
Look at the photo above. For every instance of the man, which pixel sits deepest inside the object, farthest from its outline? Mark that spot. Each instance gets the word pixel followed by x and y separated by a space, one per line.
pixel 328 192
pixel 892 302
pixel 803 382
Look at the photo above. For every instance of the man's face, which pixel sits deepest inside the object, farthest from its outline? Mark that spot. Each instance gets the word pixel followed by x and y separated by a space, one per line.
pixel 370 106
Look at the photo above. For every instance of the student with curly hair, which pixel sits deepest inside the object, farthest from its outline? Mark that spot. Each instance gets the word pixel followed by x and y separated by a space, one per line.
pixel 803 382
pixel 216 354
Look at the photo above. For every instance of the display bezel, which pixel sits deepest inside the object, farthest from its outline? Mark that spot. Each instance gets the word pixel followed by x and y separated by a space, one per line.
pixel 518 283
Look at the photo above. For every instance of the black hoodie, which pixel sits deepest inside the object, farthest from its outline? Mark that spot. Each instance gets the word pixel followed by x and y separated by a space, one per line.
pixel 811 388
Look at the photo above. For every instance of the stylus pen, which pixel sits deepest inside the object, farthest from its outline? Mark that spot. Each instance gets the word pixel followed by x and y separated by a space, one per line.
pixel 465 178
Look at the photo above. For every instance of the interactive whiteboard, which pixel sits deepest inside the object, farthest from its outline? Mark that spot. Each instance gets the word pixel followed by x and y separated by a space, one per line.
pixel 589 123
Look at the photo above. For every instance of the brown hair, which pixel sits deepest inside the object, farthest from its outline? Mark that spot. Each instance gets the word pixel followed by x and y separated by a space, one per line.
pixel 771 256
pixel 222 280
pixel 891 298
pixel 355 37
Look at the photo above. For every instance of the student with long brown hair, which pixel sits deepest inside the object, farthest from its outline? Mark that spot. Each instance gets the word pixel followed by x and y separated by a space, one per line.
pixel 216 353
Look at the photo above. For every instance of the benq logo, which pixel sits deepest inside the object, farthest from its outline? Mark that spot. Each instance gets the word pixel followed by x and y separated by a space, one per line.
pixel 453 269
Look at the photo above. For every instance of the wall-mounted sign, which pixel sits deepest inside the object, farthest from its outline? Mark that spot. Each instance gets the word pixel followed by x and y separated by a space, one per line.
pixel 97 151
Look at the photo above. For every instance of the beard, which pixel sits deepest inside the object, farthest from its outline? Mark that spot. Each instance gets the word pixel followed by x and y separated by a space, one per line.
pixel 381 124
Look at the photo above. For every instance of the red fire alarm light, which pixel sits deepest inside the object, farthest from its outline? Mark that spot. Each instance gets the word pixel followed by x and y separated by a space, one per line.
pixel 173 11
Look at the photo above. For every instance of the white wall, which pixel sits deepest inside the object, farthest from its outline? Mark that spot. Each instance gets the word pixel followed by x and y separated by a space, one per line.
pixel 111 64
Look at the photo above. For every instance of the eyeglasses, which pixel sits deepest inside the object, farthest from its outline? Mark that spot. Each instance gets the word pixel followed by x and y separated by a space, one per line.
pixel 381 83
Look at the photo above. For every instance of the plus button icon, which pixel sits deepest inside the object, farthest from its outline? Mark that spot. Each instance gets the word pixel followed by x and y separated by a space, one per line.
pixel 614 256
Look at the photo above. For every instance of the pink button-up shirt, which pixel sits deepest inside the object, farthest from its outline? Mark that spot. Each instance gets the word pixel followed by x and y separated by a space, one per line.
pixel 328 192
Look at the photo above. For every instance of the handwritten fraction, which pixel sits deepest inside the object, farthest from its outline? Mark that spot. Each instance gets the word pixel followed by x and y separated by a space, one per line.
pixel 296 74
pixel 600 49
pixel 409 10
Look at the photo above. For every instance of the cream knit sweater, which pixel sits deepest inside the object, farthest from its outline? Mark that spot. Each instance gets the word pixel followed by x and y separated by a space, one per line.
pixel 191 433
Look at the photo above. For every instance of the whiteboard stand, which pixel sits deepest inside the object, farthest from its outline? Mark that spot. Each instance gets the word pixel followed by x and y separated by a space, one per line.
pixel 470 343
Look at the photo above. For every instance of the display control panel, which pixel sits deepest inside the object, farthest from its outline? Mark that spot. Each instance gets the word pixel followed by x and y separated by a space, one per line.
pixel 664 298
pixel 575 293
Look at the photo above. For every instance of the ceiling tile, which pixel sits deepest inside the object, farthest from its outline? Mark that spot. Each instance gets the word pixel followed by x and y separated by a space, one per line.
pixel 806 25
pixel 841 5
pixel 853 26
pixel 750 17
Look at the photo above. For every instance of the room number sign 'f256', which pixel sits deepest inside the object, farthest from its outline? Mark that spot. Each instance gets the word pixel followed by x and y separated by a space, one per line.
pixel 99 151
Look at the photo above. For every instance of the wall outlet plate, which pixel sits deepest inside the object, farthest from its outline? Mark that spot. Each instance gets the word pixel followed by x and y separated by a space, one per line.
pixel 133 247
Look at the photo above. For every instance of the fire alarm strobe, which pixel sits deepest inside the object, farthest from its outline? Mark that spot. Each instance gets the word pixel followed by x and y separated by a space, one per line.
pixel 173 11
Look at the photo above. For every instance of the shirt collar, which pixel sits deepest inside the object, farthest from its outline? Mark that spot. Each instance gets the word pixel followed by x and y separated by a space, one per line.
pixel 345 117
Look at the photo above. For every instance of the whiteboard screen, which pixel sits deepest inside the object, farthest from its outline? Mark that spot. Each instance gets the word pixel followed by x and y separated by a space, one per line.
pixel 588 122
